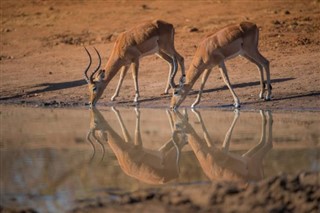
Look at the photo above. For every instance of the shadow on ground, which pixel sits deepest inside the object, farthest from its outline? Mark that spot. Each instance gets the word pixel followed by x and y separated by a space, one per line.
pixel 48 88
pixel 240 85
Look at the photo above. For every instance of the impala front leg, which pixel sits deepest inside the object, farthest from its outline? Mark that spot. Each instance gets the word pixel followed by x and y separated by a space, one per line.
pixel 203 82
pixel 123 73
pixel 224 73
pixel 137 132
pixel 226 142
pixel 135 69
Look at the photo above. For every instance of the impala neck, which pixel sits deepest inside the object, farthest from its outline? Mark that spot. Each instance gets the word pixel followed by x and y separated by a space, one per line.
pixel 195 70
pixel 112 68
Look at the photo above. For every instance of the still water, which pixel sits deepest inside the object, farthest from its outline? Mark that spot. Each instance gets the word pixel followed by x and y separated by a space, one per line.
pixel 53 158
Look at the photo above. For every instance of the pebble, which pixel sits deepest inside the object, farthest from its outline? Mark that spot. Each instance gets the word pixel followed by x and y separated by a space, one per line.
pixel 276 22
pixel 194 29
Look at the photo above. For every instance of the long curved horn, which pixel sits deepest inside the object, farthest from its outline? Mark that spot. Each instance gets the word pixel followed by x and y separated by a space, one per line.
pixel 86 70
pixel 94 72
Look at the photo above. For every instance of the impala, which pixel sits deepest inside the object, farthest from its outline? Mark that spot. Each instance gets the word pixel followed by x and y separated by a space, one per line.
pixel 231 41
pixel 147 165
pixel 221 164
pixel 156 37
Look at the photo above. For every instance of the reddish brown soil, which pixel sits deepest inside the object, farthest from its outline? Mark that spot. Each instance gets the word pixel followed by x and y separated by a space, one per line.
pixel 42 55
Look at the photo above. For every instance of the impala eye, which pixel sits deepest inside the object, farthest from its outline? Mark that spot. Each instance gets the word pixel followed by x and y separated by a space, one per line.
pixel 94 89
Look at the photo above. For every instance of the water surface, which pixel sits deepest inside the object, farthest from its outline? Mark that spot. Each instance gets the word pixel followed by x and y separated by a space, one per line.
pixel 51 159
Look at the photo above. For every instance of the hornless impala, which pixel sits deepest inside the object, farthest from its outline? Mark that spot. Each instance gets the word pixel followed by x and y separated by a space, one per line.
pixel 150 166
pixel 220 164
pixel 231 41
pixel 156 37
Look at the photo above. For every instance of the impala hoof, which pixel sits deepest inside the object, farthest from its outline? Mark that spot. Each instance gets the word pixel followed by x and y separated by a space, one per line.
pixel 261 96
pixel 165 93
pixel 267 99
pixel 237 105
pixel 193 106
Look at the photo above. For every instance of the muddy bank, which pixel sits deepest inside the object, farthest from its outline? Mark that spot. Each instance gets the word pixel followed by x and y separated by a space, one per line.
pixel 282 193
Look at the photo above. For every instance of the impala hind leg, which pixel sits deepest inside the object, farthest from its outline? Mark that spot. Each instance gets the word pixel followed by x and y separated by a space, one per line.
pixel 261 61
pixel 224 73
pixel 172 70
pixel 122 75
pixel 258 153
pixel 181 63
pixel 203 82
pixel 260 68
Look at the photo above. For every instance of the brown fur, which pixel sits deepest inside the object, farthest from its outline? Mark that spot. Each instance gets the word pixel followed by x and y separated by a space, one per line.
pixel 214 50
pixel 149 166
pixel 155 37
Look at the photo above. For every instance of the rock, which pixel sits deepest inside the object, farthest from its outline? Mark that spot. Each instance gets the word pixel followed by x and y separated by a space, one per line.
pixel 145 7
pixel 276 22
pixel 194 29
pixel 303 41
pixel 287 12
pixel 307 179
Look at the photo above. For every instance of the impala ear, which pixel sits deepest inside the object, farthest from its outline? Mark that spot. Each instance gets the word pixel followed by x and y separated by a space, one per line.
pixel 101 74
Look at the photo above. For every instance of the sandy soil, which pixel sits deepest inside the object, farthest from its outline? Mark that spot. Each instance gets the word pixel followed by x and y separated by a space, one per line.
pixel 42 55
pixel 42 61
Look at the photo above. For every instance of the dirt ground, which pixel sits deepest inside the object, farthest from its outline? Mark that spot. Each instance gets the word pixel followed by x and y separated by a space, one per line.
pixel 42 54
pixel 42 61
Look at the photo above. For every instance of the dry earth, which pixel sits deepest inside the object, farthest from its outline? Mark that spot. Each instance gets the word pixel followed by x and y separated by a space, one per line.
pixel 42 55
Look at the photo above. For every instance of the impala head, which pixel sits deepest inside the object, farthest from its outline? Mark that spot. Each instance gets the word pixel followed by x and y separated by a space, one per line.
pixel 95 81
pixel 179 94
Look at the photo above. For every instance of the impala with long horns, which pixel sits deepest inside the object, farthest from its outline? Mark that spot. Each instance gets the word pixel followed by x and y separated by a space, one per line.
pixel 156 37
pixel 152 166
pixel 221 164
pixel 231 41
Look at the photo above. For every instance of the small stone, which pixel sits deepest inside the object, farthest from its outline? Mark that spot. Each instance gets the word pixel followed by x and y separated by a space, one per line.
pixel 145 7
pixel 50 73
pixel 287 12
pixel 276 22
pixel 194 29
